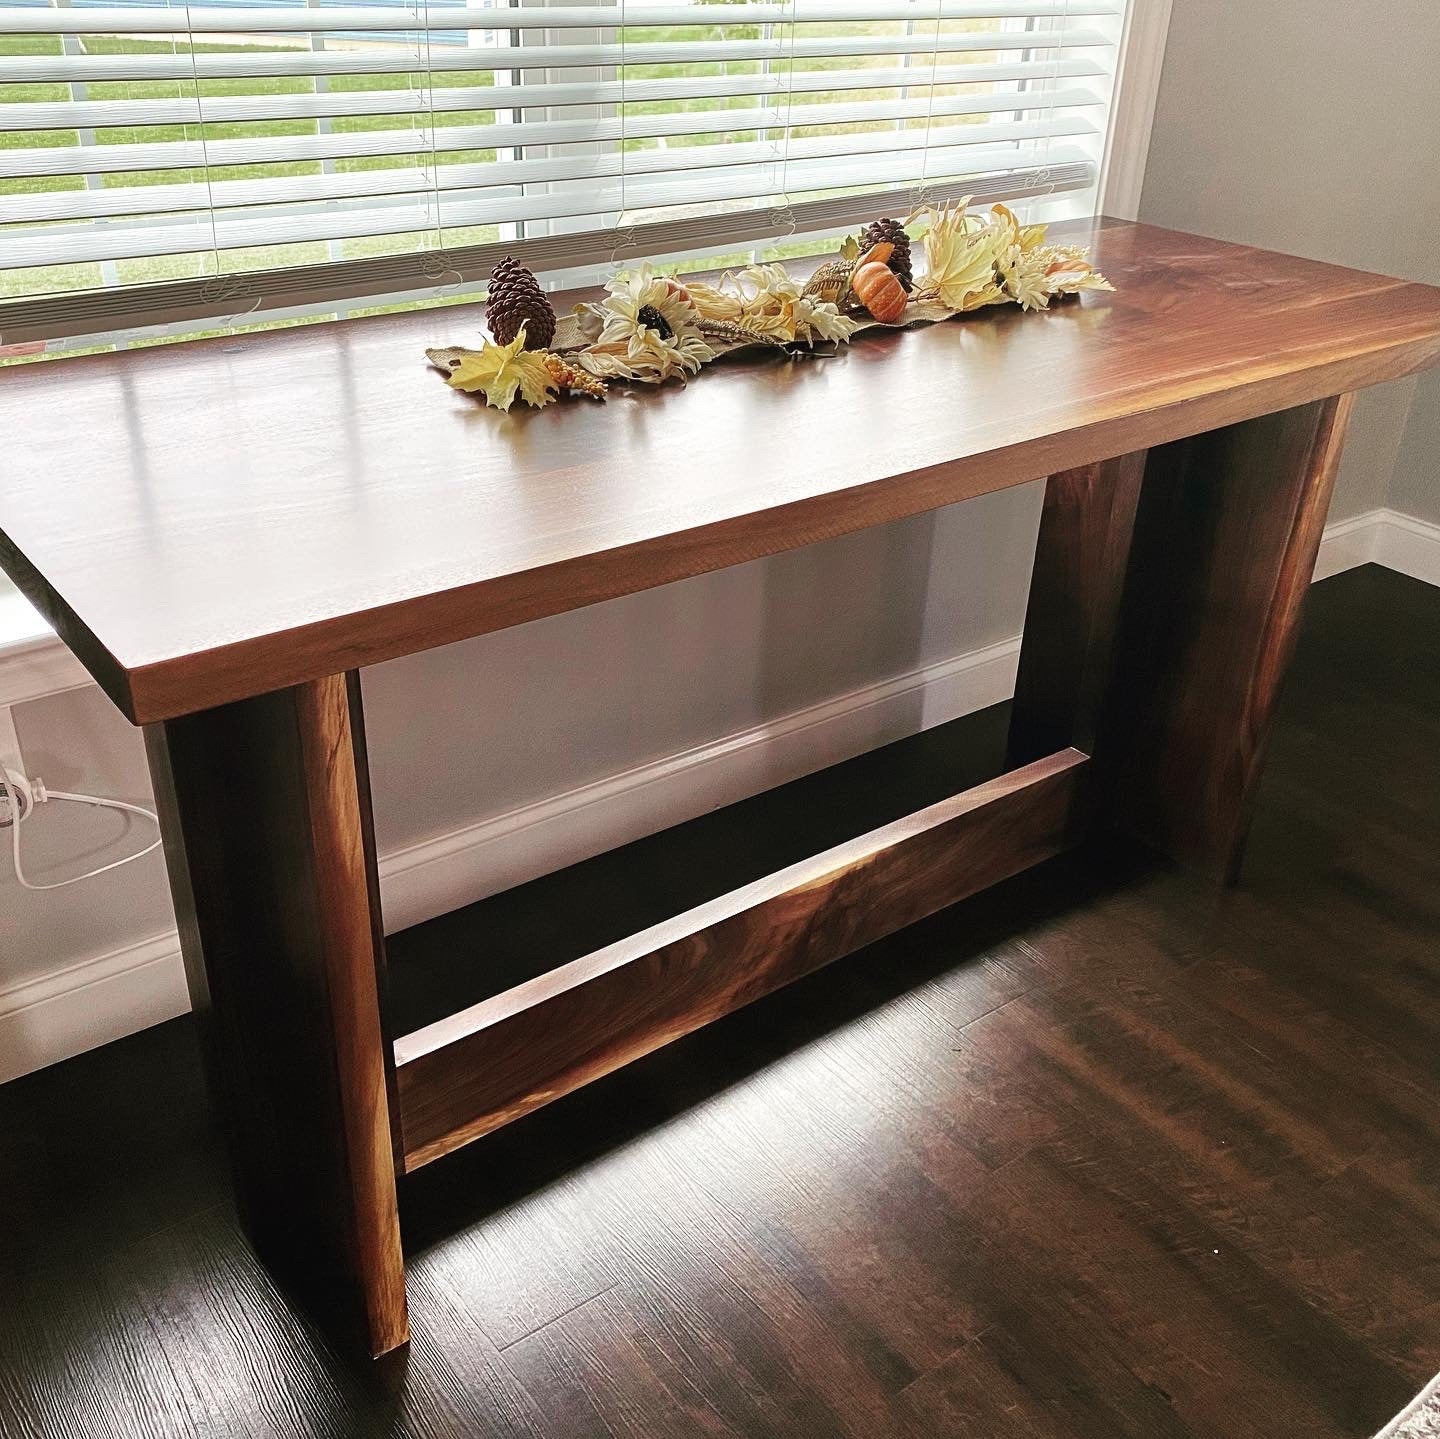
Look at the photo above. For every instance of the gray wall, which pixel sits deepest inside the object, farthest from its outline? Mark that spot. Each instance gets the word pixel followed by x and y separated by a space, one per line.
pixel 79 742
pixel 1314 126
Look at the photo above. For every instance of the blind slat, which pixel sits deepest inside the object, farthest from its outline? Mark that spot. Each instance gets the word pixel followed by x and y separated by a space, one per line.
pixel 203 65
pixel 506 174
pixel 216 109
pixel 167 19
pixel 227 231
pixel 195 154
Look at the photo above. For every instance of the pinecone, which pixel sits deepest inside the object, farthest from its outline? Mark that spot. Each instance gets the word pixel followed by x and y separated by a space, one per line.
pixel 516 299
pixel 899 261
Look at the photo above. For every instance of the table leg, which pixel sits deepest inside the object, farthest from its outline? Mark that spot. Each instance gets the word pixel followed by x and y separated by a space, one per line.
pixel 1225 545
pixel 1225 536
pixel 265 811
pixel 1068 654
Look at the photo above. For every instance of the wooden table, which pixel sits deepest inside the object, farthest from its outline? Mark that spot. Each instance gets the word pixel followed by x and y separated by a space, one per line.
pixel 224 532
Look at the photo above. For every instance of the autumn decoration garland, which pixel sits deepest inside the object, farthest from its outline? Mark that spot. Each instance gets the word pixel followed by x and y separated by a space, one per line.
pixel 650 328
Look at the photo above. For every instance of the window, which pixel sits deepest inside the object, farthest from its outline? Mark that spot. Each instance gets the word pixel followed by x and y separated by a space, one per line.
pixel 172 165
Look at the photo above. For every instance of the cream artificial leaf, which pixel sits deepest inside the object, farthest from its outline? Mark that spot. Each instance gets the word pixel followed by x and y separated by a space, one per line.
pixel 1068 270
pixel 1072 283
pixel 961 264
pixel 774 304
pixel 1006 219
pixel 590 321
pixel 1028 237
pixel 605 362
pixel 821 320
pixel 715 304
pixel 960 255
pixel 498 371
pixel 1023 275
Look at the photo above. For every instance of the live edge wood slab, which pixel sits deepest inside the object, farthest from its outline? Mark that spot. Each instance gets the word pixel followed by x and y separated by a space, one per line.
pixel 224 532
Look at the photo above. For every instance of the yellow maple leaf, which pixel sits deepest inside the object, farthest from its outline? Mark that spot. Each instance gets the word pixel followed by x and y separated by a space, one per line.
pixel 960 258
pixel 990 294
pixel 498 371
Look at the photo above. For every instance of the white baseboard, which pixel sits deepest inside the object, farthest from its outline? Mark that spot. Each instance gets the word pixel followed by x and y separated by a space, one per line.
pixel 1383 537
pixel 1410 546
pixel 59 1015
pixel 114 994
pixel 87 1004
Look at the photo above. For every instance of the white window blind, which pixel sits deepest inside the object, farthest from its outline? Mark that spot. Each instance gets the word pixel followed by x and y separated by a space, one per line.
pixel 164 163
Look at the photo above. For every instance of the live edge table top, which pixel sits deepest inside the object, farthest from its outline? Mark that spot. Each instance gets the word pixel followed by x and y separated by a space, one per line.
pixel 208 521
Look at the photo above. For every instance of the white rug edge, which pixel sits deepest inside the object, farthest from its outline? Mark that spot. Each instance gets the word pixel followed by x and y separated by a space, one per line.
pixel 1394 1429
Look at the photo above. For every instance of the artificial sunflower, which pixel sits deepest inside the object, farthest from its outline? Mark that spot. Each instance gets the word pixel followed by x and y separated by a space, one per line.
pixel 647 328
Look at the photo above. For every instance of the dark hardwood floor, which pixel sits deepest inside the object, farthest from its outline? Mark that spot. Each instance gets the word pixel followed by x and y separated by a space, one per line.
pixel 1108 1152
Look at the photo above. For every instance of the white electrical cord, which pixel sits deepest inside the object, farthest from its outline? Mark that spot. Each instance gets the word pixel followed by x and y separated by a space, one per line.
pixel 25 794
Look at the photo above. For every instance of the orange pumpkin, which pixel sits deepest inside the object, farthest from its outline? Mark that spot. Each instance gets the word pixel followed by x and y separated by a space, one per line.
pixel 878 288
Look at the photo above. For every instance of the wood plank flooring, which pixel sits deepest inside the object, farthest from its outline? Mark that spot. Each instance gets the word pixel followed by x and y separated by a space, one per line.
pixel 1108 1152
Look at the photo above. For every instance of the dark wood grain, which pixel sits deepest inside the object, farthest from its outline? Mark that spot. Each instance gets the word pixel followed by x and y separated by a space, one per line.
pixel 1226 537
pixel 472 1072
pixel 1067 657
pixel 273 877
pixel 264 510
pixel 1107 1153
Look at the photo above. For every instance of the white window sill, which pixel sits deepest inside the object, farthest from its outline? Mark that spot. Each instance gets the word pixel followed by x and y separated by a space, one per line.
pixel 33 662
